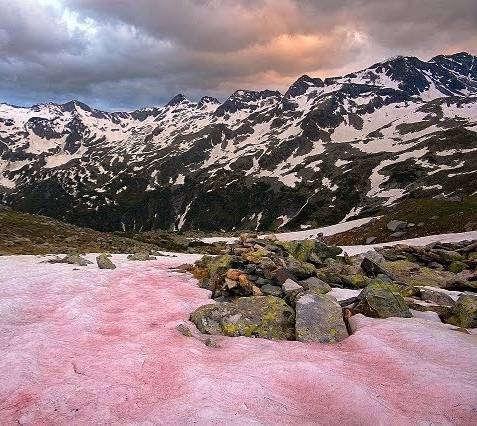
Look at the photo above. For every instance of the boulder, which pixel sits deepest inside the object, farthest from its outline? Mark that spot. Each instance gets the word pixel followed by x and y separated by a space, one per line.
pixel 315 285
pixel 398 234
pixel 141 257
pixel 382 300
pixel 319 318
pixel 464 312
pixel 354 281
pixel 104 262
pixel 184 330
pixel 370 240
pixel 264 316
pixel 310 250
pixel 300 250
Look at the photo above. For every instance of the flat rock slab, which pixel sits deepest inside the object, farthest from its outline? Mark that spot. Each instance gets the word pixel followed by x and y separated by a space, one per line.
pixel 93 346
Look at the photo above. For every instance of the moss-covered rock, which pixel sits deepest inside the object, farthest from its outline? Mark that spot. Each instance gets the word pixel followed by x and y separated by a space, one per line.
pixel 300 250
pixel 355 281
pixel 217 264
pixel 303 250
pixel 464 312
pixel 415 275
pixel 255 256
pixel 265 316
pixel 382 300
pixel 301 270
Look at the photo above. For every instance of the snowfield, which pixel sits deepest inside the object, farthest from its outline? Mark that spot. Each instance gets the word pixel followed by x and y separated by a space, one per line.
pixel 303 235
pixel 82 345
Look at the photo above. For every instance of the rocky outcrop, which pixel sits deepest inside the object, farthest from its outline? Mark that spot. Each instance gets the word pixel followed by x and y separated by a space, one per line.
pixel 141 257
pixel 266 316
pixel 300 274
pixel 71 259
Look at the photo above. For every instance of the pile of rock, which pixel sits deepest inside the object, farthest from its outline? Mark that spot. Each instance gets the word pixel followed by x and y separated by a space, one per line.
pixel 281 290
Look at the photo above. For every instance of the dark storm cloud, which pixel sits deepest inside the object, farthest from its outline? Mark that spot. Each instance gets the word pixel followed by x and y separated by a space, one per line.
pixel 119 54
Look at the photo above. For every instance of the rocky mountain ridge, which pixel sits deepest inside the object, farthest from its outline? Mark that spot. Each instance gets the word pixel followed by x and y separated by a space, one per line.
pixel 327 150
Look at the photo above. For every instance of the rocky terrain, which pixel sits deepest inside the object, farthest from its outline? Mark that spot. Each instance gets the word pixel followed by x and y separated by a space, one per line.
pixel 325 151
pixel 411 219
pixel 308 291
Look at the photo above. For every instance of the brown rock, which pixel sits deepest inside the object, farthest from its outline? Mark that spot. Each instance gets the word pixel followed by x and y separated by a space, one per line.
pixel 233 274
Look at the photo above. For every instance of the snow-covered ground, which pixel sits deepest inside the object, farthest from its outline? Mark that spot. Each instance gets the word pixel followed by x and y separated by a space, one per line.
pixel 81 345
pixel 303 235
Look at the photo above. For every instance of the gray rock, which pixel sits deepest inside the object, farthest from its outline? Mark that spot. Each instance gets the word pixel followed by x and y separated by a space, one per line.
pixel 398 234
pixel 370 240
pixel 396 225
pixel 315 285
pixel 291 287
pixel 104 262
pixel 271 290
pixel 319 318
pixel 422 306
pixel 373 255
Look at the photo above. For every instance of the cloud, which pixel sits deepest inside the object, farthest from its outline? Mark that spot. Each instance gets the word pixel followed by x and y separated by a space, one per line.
pixel 124 54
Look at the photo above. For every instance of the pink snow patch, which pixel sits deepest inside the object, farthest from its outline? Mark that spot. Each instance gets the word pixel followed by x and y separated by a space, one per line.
pixel 90 346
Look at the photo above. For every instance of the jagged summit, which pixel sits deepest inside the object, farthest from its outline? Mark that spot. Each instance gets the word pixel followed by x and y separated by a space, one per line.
pixel 300 86
pixel 176 100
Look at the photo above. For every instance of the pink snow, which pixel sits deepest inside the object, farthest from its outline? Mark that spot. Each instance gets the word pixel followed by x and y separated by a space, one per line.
pixel 80 345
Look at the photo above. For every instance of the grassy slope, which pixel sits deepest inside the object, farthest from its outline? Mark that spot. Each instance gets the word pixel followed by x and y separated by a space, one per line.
pixel 435 216
pixel 22 233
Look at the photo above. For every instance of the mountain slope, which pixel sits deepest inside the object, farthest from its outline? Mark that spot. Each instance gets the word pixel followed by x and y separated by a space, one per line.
pixel 326 150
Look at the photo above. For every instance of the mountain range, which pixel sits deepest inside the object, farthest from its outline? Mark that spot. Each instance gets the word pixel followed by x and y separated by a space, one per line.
pixel 327 150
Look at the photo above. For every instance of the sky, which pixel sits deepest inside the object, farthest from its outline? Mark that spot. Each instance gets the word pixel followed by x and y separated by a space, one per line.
pixel 126 54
